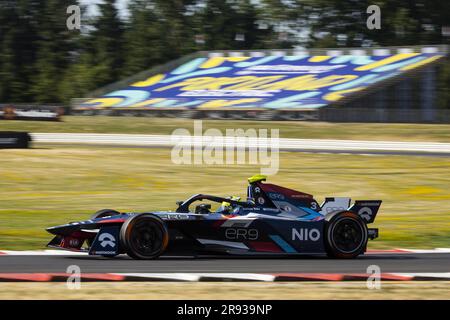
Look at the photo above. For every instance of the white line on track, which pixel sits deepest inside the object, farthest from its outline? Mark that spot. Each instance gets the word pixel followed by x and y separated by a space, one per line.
pixel 284 144
pixel 437 250
pixel 41 253
pixel 196 276
pixel 162 276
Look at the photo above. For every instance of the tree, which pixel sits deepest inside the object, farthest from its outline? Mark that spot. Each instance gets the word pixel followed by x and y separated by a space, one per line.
pixel 142 37
pixel 18 40
pixel 42 61
pixel 106 43
pixel 176 29
pixel 54 49
pixel 226 25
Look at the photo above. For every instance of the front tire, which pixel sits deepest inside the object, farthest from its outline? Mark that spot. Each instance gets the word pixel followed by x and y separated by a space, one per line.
pixel 144 236
pixel 346 235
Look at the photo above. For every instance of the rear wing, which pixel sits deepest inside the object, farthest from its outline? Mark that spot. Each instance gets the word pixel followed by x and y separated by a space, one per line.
pixel 366 209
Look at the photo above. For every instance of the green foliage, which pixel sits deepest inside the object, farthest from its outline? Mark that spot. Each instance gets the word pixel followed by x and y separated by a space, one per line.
pixel 18 39
pixel 141 38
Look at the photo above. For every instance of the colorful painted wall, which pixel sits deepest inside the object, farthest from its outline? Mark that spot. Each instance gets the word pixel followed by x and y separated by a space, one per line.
pixel 273 82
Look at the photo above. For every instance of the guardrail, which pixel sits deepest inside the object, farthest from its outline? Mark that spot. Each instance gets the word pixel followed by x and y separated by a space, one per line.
pixel 14 140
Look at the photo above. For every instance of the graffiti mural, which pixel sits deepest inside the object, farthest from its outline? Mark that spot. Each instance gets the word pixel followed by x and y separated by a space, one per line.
pixel 271 82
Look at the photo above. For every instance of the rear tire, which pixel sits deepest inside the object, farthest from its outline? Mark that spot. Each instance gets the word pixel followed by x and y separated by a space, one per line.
pixel 144 236
pixel 346 235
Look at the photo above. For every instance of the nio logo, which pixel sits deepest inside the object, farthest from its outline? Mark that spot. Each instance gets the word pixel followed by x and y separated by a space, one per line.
pixel 365 213
pixel 107 239
pixel 304 234
pixel 241 234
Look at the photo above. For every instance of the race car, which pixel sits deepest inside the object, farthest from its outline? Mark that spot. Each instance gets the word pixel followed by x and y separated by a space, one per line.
pixel 273 220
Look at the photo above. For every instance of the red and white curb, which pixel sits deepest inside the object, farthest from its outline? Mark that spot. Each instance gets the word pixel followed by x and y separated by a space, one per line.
pixel 218 277
pixel 71 253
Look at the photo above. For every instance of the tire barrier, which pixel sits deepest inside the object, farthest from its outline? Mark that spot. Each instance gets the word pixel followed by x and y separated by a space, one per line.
pixel 14 140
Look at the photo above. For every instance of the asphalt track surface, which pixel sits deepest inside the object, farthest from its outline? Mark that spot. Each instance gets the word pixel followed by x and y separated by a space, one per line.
pixel 402 262
pixel 294 145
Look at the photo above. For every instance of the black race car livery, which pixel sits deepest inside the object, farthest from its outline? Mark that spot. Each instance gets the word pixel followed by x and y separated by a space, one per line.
pixel 274 220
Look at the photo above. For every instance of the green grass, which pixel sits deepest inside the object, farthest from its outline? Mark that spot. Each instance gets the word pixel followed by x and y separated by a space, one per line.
pixel 288 129
pixel 51 185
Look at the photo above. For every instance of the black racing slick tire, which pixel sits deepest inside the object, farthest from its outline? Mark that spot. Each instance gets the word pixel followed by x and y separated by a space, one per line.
pixel 144 236
pixel 346 235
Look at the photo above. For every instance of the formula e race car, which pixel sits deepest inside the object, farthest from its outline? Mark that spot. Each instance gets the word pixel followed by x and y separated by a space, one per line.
pixel 273 221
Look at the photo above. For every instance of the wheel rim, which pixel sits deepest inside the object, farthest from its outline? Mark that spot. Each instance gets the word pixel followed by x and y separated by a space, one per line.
pixel 347 235
pixel 146 237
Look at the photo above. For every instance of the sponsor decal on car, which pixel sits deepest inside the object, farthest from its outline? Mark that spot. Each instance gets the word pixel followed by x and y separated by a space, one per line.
pixel 73 242
pixel 107 239
pixel 241 234
pixel 305 234
pixel 275 196
pixel 365 213
pixel 175 216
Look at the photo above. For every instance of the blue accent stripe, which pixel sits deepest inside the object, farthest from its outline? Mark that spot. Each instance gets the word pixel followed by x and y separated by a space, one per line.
pixel 283 244
pixel 309 210
pixel 311 214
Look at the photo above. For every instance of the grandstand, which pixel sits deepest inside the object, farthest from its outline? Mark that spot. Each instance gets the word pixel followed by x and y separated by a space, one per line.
pixel 374 85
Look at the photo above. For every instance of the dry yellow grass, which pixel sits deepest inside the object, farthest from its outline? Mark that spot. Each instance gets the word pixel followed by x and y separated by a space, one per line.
pixel 56 184
pixel 218 290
